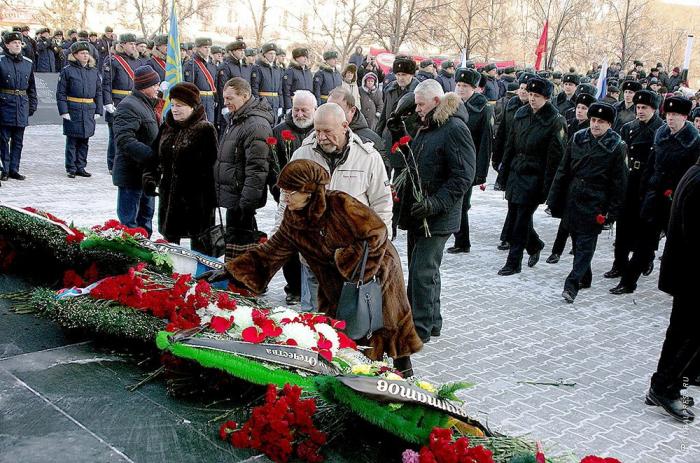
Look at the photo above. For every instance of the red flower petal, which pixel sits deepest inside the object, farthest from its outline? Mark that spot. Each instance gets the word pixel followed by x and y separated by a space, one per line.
pixel 271 141
pixel 405 140
pixel 251 334
pixel 394 147
pixel 221 324
pixel 668 193
pixel 600 219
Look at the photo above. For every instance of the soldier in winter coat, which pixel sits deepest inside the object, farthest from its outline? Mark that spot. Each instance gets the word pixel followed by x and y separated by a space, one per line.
pixel 626 111
pixel 79 99
pixel 297 76
pixel 535 147
pixel 588 190
pixel 201 72
pixel 327 77
pixel 266 80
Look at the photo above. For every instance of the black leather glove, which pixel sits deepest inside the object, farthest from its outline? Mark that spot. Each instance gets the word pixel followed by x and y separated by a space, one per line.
pixel 406 105
pixel 396 127
pixel 421 209
pixel 213 276
pixel 479 180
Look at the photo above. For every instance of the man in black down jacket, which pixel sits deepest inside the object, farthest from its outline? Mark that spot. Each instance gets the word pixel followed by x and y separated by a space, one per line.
pixel 242 163
pixel 445 157
pixel 480 125
pixel 679 277
pixel 535 146
pixel 135 130
pixel 589 190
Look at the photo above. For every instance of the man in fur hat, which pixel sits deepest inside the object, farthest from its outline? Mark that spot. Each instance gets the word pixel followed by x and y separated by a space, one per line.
pixel 117 82
pixel 79 99
pixel 626 111
pixel 404 69
pixel 446 76
pixel 45 58
pixel 233 65
pixel 327 77
pixel 158 55
pixel 445 157
pixel 639 137
pixel 589 184
pixel 565 99
pixel 297 76
pixel 266 80
pixel 201 72
pixel 18 102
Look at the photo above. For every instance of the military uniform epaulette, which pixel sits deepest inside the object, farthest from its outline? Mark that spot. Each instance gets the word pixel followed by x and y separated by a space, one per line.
pixel 24 57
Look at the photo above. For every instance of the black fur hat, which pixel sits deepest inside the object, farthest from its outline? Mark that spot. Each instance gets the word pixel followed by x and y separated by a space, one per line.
pixel 572 78
pixel 586 99
pixel 404 64
pixel 603 111
pixel 540 86
pixel 646 97
pixel 678 104
pixel 468 76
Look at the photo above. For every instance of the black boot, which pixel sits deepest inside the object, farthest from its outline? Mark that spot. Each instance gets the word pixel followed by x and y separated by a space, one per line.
pixel 622 289
pixel 504 246
pixel 673 406
pixel 509 269
pixel 553 259
pixel 614 272
pixel 404 366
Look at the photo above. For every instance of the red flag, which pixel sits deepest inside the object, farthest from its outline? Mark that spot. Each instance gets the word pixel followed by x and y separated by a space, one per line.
pixel 541 46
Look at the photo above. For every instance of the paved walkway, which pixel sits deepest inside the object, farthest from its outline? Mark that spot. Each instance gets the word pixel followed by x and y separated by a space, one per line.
pixel 499 331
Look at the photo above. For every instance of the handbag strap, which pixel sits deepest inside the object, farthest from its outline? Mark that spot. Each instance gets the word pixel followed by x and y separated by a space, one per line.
pixel 361 265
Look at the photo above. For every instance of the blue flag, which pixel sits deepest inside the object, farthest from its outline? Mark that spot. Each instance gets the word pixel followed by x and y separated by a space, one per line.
pixel 173 63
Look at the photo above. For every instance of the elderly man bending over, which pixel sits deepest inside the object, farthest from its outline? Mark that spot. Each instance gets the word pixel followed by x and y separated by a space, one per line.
pixel 356 168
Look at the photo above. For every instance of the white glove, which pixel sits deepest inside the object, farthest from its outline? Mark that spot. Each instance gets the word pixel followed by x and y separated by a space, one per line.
pixel 279 112
pixel 378 114
pixel 97 116
pixel 66 116
pixel 164 86
pixel 110 108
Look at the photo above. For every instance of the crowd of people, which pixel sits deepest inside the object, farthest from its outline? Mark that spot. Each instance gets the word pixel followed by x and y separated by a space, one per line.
pixel 406 149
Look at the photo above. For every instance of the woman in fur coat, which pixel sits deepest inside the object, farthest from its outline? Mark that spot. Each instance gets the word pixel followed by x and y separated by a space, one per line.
pixel 329 228
pixel 187 146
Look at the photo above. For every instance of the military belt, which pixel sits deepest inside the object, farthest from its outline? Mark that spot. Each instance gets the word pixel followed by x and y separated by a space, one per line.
pixel 121 92
pixel 325 97
pixel 12 91
pixel 203 93
pixel 268 94
pixel 493 102
pixel 80 100
pixel 636 165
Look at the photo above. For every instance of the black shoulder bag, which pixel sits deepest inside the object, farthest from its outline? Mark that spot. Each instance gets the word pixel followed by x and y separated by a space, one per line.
pixel 360 304
pixel 213 239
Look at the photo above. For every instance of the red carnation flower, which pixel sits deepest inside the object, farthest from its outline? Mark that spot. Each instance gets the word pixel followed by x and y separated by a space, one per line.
pixel 221 324
pixel 252 334
pixel 272 141
pixel 668 193
pixel 394 147
pixel 482 187
pixel 600 219
pixel 405 140
pixel 287 135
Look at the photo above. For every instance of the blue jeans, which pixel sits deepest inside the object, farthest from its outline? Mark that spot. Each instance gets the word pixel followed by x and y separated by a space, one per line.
pixel 309 290
pixel 135 209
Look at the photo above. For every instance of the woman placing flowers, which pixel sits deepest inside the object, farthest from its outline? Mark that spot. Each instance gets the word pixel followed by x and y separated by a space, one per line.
pixel 328 228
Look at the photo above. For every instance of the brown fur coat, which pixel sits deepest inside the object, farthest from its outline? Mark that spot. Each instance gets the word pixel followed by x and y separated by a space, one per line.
pixel 329 234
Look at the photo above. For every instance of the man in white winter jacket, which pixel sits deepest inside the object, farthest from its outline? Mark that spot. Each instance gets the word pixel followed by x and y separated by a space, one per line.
pixel 356 168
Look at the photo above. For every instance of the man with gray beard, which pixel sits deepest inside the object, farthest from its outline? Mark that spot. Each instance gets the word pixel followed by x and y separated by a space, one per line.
pixel 290 133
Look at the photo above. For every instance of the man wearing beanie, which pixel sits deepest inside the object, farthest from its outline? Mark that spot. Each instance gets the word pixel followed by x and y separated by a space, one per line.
pixel 639 137
pixel 626 111
pixel 404 69
pixel 135 130
pixel 446 76
pixel 199 71
pixel 588 190
pixel 297 76
pixel 676 148
pixel 18 101
pixel 327 77
pixel 117 82
pixel 480 124
pixel 79 99
pixel 266 80
pixel 534 149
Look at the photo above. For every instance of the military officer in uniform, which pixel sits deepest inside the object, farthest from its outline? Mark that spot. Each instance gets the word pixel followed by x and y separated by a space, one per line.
pixel 281 59
pixel 426 70
pixel 327 77
pixel 57 47
pixel 626 111
pixel 250 54
pixel 158 55
pixel 104 45
pixel 117 82
pixel 45 58
pixel 266 79
pixel 480 125
pixel 446 76
pixel 564 100
pixel 29 44
pixel 590 181
pixel 18 101
pixel 199 71
pixel 217 55
pixel 676 147
pixel 79 99
pixel 297 76
pixel 639 137
pixel 233 65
